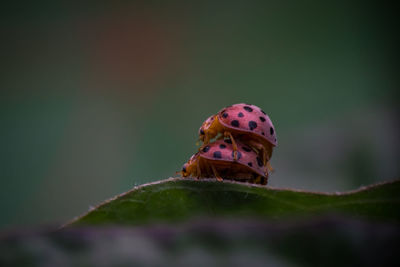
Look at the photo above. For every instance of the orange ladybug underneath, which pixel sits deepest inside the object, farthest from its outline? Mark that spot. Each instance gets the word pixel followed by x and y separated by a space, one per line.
pixel 217 159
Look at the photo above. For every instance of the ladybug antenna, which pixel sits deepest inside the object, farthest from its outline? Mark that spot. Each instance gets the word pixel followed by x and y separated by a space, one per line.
pixel 269 167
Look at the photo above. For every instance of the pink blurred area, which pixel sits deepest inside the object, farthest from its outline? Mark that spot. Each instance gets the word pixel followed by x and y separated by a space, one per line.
pixel 130 53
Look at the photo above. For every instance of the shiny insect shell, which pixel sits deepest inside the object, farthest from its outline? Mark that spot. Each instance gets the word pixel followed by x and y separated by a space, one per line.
pixel 217 159
pixel 245 122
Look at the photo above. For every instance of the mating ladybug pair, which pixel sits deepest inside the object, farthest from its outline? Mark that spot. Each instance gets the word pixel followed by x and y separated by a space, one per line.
pixel 245 138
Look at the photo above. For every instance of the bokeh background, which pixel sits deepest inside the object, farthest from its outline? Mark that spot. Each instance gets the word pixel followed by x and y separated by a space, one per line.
pixel 98 98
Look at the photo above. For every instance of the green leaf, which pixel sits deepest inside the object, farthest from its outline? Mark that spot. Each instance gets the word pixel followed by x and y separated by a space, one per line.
pixel 178 199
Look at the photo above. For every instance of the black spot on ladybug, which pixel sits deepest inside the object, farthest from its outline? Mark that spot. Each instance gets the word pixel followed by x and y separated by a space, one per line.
pixel 222 146
pixel 184 168
pixel 248 109
pixel 263 112
pixel 239 155
pixel 240 114
pixel 201 131
pixel 235 123
pixel 205 149
pixel 252 125
pixel 271 131
pixel 247 149
pixel 262 133
pixel 217 154
pixel 225 115
pixel 228 141
pixel 259 162
pixel 250 164
pixel 262 119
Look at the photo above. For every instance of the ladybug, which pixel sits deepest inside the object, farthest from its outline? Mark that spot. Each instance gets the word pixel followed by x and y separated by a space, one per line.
pixel 244 122
pixel 218 159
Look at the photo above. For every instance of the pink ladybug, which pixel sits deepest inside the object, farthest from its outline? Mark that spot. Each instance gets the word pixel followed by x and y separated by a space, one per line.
pixel 244 122
pixel 218 159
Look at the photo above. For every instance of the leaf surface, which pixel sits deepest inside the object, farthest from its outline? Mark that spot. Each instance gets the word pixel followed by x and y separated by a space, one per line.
pixel 178 199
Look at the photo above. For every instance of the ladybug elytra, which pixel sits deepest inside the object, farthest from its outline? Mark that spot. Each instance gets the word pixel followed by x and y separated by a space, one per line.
pixel 244 122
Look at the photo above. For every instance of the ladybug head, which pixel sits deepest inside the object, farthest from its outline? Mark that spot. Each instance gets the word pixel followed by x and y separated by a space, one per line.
pixel 205 126
pixel 201 133
pixel 189 168
pixel 184 170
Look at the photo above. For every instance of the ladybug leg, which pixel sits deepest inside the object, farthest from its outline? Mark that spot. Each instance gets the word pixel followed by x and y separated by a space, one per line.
pixel 234 145
pixel 258 179
pixel 264 180
pixel 260 150
pixel 266 163
pixel 265 157
pixel 216 173
pixel 198 169
pixel 269 167
pixel 261 180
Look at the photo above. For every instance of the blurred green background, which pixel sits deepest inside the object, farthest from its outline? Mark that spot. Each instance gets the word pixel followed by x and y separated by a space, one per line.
pixel 98 98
